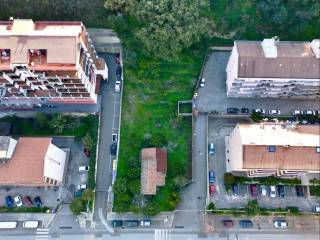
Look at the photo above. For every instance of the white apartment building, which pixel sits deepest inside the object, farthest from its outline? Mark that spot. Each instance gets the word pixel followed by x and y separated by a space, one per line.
pixel 261 150
pixel 274 68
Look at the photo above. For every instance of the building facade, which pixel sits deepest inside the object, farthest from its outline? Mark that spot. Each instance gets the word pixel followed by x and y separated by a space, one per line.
pixel 274 68
pixel 261 150
pixel 48 62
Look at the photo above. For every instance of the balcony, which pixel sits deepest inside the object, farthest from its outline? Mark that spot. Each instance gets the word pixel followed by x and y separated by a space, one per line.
pixel 5 59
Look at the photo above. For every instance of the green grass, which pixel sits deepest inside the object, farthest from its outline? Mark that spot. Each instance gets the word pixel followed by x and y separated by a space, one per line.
pixel 314 190
pixel 4 209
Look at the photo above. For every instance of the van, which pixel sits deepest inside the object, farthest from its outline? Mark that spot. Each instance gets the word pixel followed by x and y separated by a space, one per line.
pixel 30 224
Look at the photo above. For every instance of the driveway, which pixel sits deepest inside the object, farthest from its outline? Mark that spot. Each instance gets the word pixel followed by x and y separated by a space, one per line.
pixel 213 96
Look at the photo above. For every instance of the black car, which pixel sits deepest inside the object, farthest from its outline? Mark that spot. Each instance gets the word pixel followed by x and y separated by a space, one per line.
pixel 235 189
pixel 232 110
pixel 300 191
pixel 281 191
pixel 245 223
pixel 244 110
pixel 118 71
pixel 117 223
pixel 113 149
pixel 37 202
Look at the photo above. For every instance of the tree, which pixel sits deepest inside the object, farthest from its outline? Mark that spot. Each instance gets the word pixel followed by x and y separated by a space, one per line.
pixel 211 206
pixel 57 123
pixel 134 187
pixel 87 141
pixel 253 208
pixel 88 195
pixel 180 181
pixel 120 186
pixel 77 206
pixel 42 119
pixel 173 200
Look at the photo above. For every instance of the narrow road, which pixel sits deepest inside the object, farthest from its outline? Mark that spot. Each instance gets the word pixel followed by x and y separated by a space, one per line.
pixel 110 107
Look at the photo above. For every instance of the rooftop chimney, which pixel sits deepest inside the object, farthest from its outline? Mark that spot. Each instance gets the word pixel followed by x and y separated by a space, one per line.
pixel 269 47
pixel 315 45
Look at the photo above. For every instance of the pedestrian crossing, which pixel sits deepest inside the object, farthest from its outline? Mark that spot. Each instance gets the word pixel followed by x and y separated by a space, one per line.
pixel 42 233
pixel 162 234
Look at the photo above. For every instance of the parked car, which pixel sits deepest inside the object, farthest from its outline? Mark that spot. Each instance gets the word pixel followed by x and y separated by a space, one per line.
pixel 27 201
pixel 86 152
pixel 232 110
pixel 263 190
pixel 274 112
pixel 83 168
pixel 114 137
pixel 9 201
pixel 18 201
pixel 280 224
pixel 297 112
pixel 309 112
pixel 117 58
pixel 212 189
pixel 299 190
pixel 244 110
pixel 82 186
pixel 117 223
pixel 131 223
pixel 211 177
pixel 281 191
pixel 211 149
pixel 254 190
pixel 37 201
pixel 113 149
pixel 117 86
pixel 245 223
pixel 145 223
pixel 273 192
pixel 227 223
pixel 259 110
pixel 235 189
pixel 118 71
pixel 316 209
pixel 202 82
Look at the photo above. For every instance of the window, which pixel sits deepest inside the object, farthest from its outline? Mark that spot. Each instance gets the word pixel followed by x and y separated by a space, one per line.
pixel 271 148
pixel 318 149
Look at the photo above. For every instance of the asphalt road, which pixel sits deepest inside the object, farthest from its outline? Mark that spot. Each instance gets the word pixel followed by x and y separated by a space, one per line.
pixel 110 109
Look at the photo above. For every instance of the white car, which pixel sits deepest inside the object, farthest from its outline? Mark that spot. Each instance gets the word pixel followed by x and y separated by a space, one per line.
pixel 274 112
pixel 280 224
pixel 263 190
pixel 145 223
pixel 203 81
pixel 82 186
pixel 260 110
pixel 316 209
pixel 309 112
pixel 117 86
pixel 83 168
pixel 273 192
pixel 296 112
pixel 18 201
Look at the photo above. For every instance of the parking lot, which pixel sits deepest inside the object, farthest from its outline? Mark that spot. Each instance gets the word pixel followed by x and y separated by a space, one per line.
pixel 52 196
pixel 218 129
pixel 212 97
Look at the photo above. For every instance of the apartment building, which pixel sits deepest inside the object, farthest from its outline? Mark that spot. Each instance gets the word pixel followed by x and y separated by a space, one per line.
pixel 48 62
pixel 260 150
pixel 274 68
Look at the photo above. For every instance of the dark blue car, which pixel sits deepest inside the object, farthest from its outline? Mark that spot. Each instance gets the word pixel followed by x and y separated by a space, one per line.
pixel 9 201
pixel 211 177
pixel 37 202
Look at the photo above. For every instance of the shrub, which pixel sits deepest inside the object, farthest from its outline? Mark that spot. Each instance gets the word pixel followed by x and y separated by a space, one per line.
pixel 211 206
pixel 256 117
pixel 252 208
pixel 77 206
pixel 314 190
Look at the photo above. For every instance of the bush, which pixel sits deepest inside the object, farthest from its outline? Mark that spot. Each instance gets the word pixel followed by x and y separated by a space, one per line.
pixel 256 117
pixel 77 206
pixel 211 206
pixel 151 209
pixel 315 181
pixel 293 210
pixel 314 190
pixel 253 208
pixel 5 209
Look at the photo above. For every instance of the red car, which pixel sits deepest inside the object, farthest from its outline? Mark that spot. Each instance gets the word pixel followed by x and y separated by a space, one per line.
pixel 117 58
pixel 212 189
pixel 254 190
pixel 86 152
pixel 227 223
pixel 27 201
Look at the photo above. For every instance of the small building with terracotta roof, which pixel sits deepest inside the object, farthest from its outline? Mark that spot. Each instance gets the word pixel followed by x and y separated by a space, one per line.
pixel 260 150
pixel 153 169
pixel 31 161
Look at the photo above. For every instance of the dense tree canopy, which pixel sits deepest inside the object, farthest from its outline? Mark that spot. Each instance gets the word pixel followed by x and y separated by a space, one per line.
pixel 167 26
